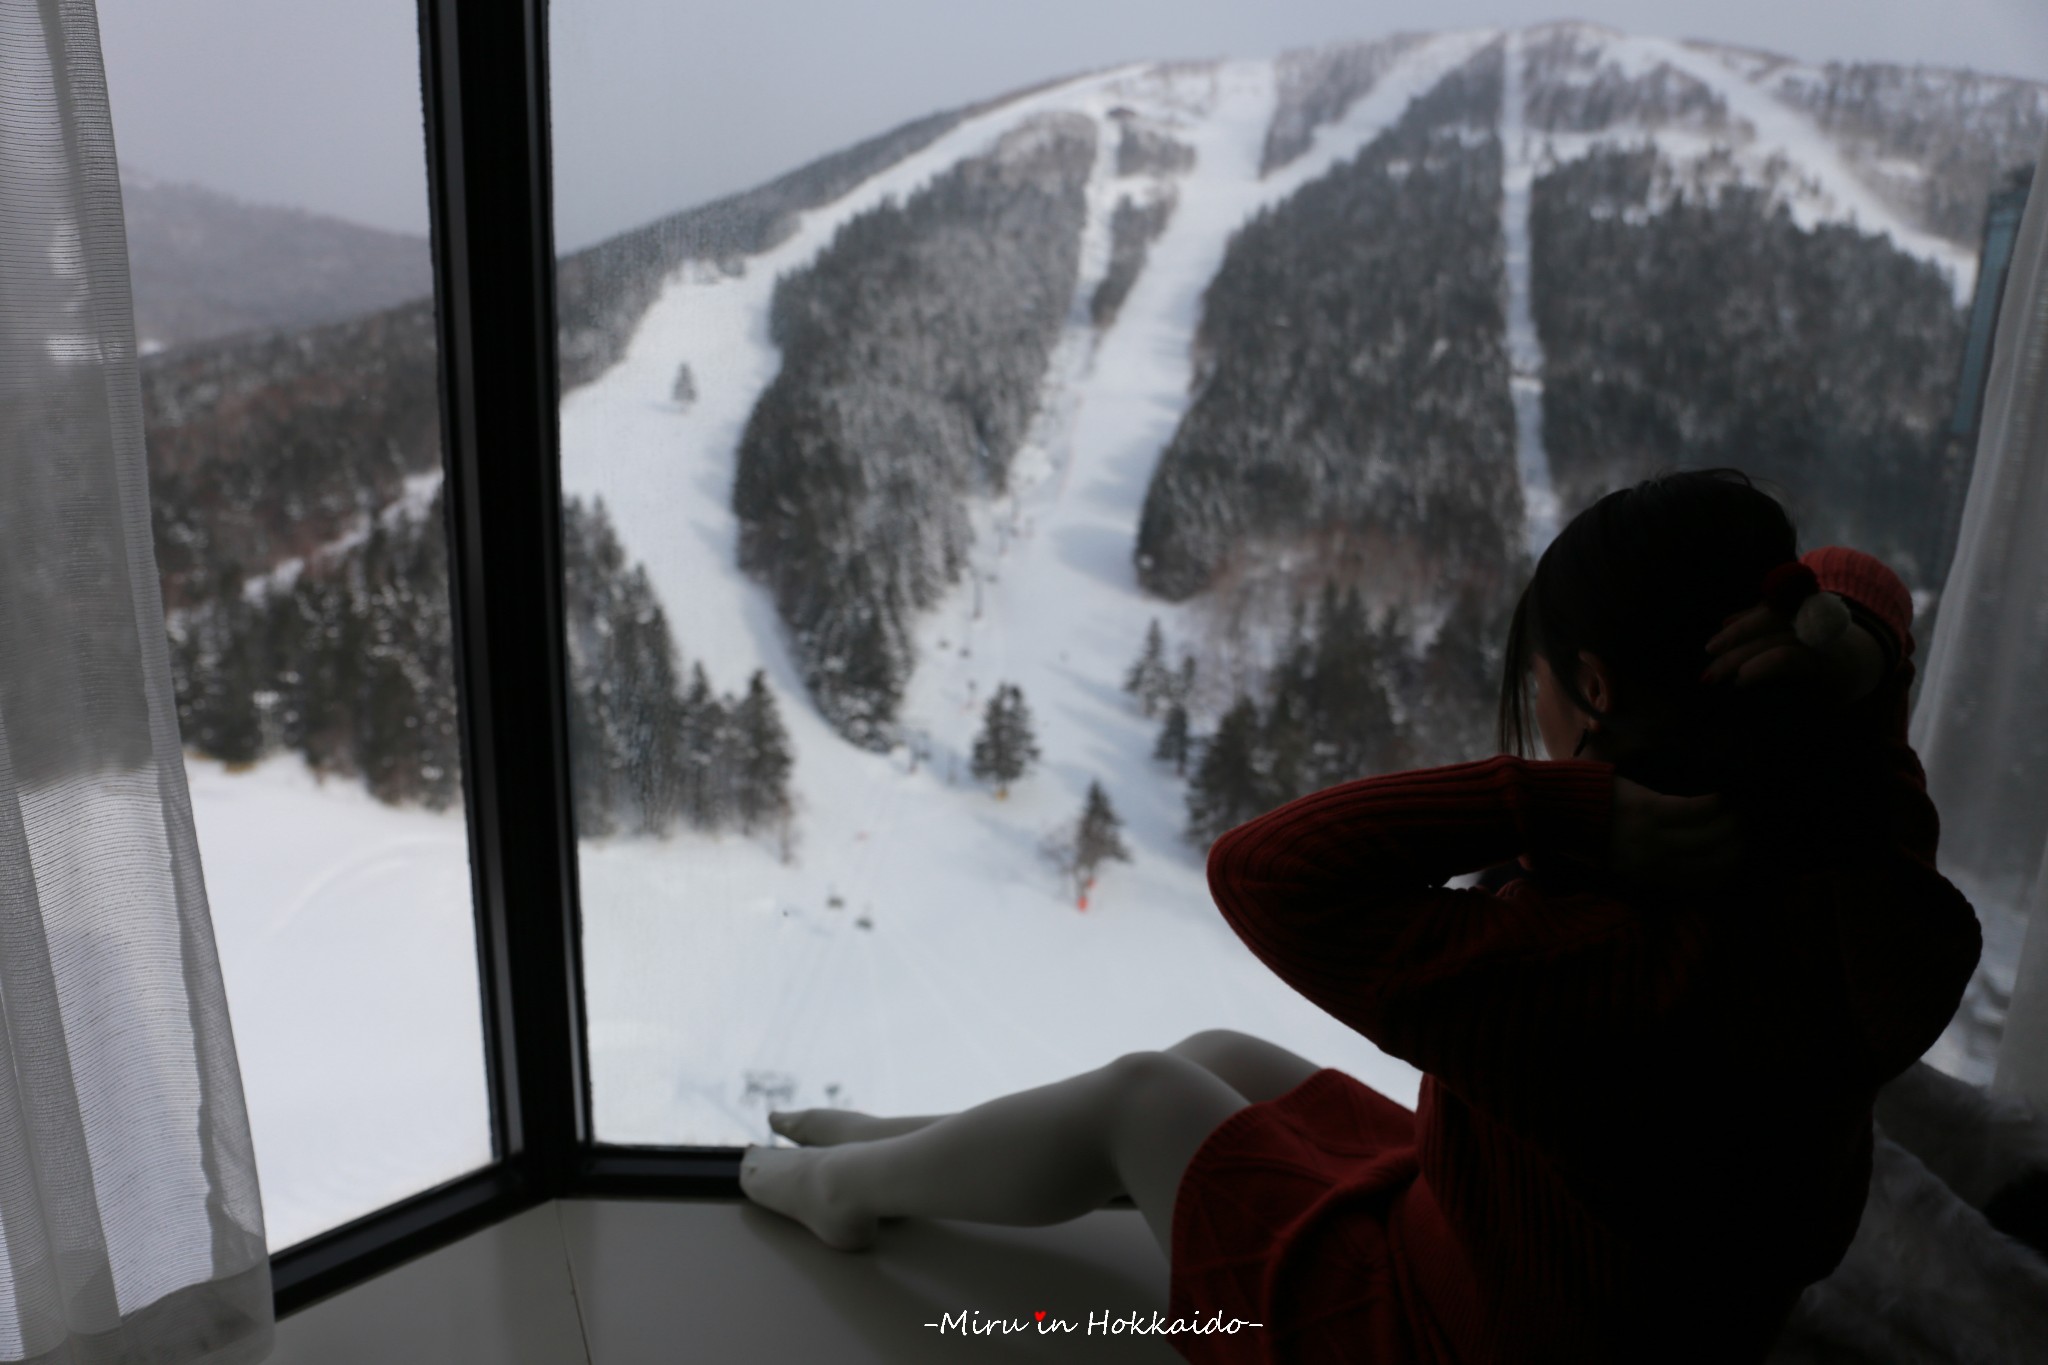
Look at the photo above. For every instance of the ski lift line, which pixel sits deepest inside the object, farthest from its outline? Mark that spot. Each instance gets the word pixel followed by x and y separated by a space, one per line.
pixel 774 1043
pixel 824 949
pixel 781 1038
pixel 868 950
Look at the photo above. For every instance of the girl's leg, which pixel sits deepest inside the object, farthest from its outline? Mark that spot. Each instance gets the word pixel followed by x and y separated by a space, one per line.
pixel 1253 1067
pixel 830 1127
pixel 1036 1157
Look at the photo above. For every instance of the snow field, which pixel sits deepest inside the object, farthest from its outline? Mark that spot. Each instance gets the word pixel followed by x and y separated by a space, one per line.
pixel 347 939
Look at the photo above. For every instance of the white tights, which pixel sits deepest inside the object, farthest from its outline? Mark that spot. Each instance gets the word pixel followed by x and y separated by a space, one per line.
pixel 1038 1156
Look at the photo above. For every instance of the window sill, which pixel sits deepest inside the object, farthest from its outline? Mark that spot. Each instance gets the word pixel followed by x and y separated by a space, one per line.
pixel 611 1281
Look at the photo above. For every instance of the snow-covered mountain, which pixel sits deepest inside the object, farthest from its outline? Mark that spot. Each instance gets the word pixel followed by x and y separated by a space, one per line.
pixel 1386 415
pixel 1252 349
pixel 941 482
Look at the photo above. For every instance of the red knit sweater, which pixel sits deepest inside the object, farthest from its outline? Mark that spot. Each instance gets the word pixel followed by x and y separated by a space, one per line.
pixel 1646 1119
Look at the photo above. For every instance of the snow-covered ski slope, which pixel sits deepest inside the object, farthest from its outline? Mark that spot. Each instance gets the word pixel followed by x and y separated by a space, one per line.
pixel 919 953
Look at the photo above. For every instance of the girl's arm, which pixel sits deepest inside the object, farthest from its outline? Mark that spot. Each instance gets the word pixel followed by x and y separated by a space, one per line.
pixel 1341 894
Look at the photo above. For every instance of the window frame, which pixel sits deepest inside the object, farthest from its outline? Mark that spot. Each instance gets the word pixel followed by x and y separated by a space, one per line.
pixel 483 79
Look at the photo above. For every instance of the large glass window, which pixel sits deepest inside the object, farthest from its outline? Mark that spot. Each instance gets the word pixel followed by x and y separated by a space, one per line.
pixel 274 181
pixel 983 496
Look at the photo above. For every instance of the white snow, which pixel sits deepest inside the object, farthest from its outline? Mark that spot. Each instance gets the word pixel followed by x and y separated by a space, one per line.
pixel 415 498
pixel 1520 161
pixel 348 944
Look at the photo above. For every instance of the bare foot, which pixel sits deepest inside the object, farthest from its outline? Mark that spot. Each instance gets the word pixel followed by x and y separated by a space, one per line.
pixel 798 1185
pixel 830 1127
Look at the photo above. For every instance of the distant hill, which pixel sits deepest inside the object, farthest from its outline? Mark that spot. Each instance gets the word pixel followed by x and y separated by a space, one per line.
pixel 205 265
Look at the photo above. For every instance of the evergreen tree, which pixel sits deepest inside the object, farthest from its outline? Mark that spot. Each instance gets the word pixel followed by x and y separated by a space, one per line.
pixel 864 687
pixel 1005 748
pixel 1173 744
pixel 759 757
pixel 432 650
pixel 1459 683
pixel 1284 755
pixel 217 677
pixel 640 661
pixel 1230 785
pixel 231 726
pixel 1097 839
pixel 329 648
pixel 590 767
pixel 1184 682
pixel 1149 679
pixel 1350 714
pixel 701 740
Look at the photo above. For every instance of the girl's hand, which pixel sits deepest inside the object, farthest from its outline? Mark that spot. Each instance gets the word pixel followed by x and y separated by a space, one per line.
pixel 1759 645
pixel 1659 840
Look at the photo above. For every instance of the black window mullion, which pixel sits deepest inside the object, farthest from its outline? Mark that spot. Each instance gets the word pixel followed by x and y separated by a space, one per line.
pixel 483 80
pixel 484 76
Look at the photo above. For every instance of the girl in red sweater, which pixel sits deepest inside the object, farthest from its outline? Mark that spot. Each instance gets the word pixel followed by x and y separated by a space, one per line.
pixel 1649 1053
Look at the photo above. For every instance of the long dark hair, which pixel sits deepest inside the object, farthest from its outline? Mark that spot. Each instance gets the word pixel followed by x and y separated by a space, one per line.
pixel 1643 579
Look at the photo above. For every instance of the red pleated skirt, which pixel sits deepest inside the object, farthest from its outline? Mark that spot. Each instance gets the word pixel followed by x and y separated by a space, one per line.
pixel 1307 1214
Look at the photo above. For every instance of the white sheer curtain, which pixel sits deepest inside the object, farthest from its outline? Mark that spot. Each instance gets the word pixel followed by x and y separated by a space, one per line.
pixel 1981 721
pixel 130 1224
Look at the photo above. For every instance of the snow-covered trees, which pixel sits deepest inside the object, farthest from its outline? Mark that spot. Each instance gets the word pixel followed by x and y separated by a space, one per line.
pixel 1099 837
pixel 760 758
pixel 1005 748
pixel 1327 716
pixel 1351 370
pixel 701 744
pixel 1096 837
pixel 1317 85
pixel 350 663
pixel 1157 687
pixel 1174 744
pixel 912 352
pixel 1331 689
pixel 1940 141
pixel 1149 680
pixel 1714 330
pixel 1230 784
pixel 1456 690
pixel 1133 227
pixel 646 752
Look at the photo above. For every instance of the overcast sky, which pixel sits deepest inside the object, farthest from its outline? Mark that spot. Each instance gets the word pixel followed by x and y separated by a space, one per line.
pixel 659 105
